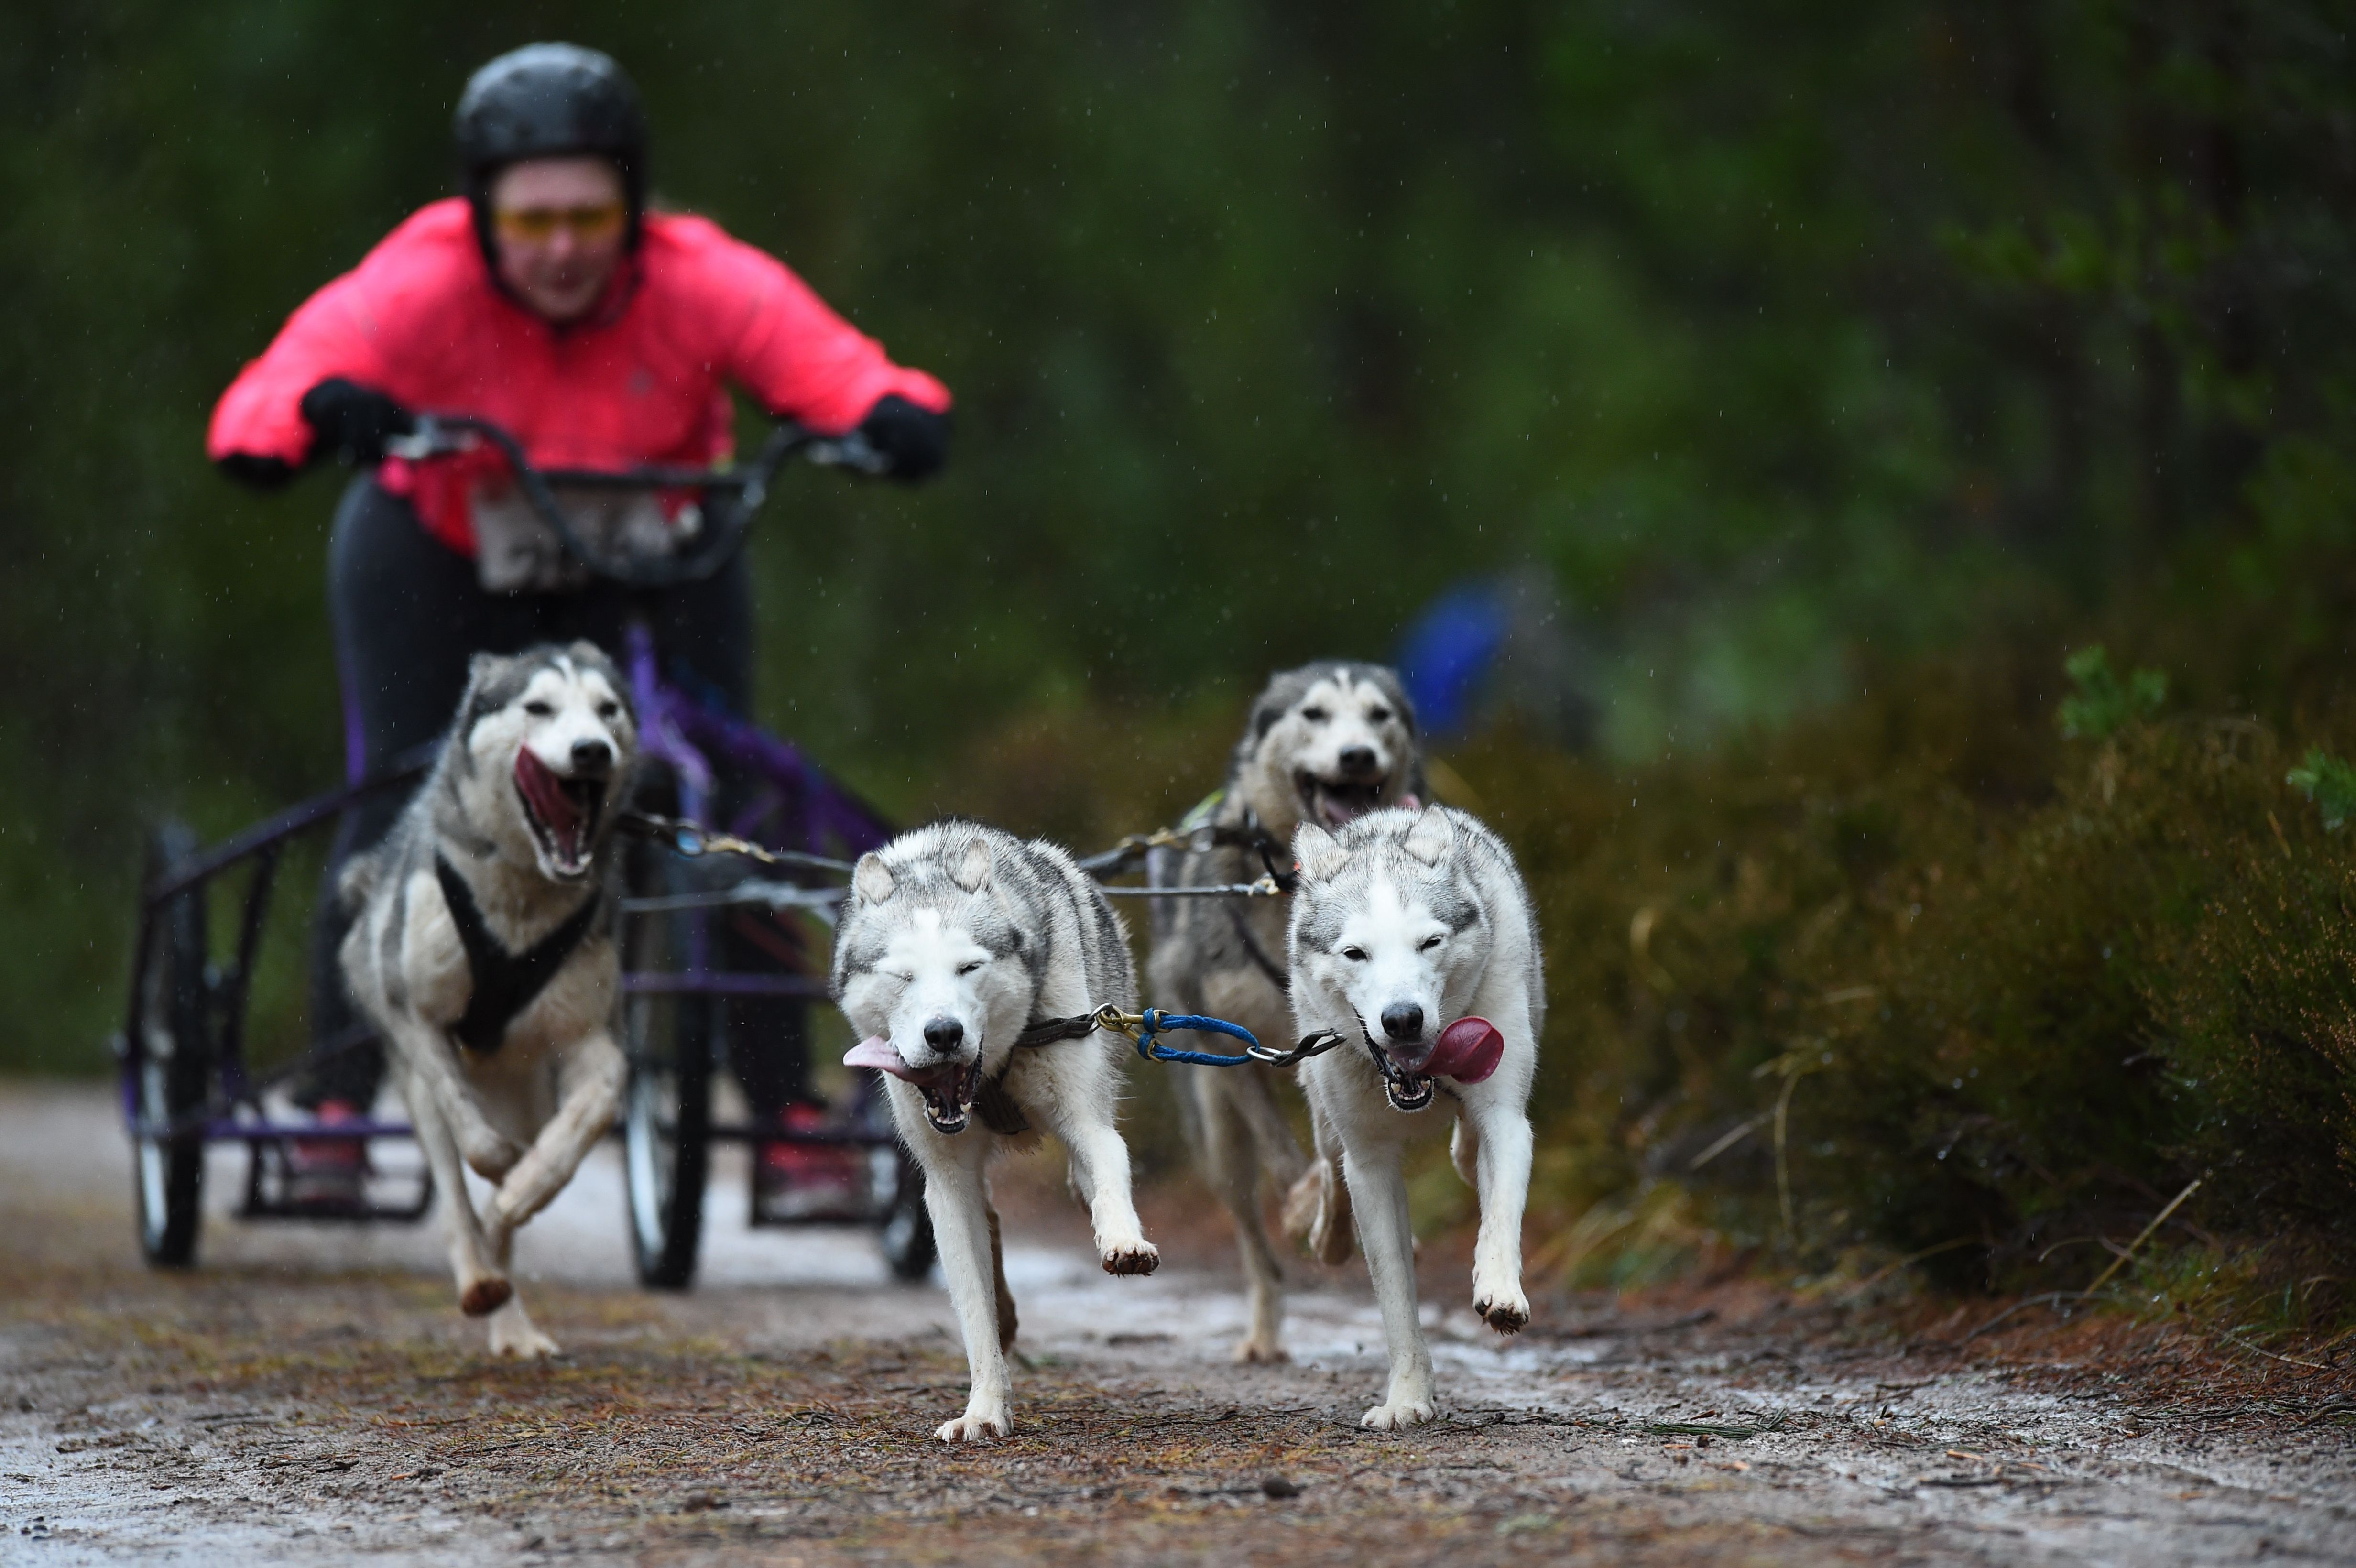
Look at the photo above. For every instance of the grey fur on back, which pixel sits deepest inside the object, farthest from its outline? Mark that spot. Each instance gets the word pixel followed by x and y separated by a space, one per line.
pixel 1034 887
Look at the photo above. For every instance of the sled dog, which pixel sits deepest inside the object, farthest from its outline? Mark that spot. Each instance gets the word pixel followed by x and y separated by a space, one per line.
pixel 1325 743
pixel 970 962
pixel 483 951
pixel 1412 938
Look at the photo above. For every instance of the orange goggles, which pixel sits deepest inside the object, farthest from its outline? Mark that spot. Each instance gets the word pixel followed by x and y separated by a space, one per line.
pixel 537 225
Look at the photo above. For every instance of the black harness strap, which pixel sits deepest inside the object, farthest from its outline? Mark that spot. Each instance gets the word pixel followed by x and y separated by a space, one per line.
pixel 505 983
pixel 1255 951
pixel 993 1104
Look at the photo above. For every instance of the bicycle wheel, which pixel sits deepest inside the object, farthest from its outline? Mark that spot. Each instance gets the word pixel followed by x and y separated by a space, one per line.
pixel 171 1066
pixel 666 1113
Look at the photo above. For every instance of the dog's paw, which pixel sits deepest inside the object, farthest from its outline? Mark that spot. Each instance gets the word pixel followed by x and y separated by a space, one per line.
pixel 1398 1414
pixel 976 1424
pixel 1133 1257
pixel 1508 1312
pixel 484 1296
pixel 1256 1352
pixel 513 1334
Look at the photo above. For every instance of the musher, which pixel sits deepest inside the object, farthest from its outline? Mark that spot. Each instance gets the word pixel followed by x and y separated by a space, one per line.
pixel 549 299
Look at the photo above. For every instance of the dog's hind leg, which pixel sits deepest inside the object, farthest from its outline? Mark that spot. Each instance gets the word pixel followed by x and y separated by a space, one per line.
pixel 1001 1298
pixel 1317 1209
pixel 1378 1187
pixel 1232 1159
pixel 483 1285
pixel 592 1097
pixel 1501 1162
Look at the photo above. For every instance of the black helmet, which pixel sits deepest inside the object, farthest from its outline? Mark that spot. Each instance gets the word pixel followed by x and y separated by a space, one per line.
pixel 547 100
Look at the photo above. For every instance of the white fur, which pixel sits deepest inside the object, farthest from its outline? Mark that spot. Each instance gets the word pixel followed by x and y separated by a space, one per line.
pixel 525 1115
pixel 911 952
pixel 1366 936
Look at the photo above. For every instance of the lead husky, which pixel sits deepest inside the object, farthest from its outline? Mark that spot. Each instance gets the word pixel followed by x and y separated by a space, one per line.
pixel 1325 742
pixel 955 940
pixel 1412 938
pixel 483 951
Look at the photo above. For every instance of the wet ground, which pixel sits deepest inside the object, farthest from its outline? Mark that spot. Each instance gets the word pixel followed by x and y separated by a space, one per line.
pixel 310 1393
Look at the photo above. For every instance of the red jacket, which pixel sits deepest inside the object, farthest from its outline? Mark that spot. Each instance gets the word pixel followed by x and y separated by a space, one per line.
pixel 641 381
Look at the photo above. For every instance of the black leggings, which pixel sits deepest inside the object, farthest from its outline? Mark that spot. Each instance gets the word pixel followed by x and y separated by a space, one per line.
pixel 407 613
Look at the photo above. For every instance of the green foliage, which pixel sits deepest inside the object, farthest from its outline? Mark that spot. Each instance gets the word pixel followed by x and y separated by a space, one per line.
pixel 2103 705
pixel 2330 783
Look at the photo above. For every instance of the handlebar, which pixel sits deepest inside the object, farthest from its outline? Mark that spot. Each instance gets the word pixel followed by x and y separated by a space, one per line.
pixel 715 529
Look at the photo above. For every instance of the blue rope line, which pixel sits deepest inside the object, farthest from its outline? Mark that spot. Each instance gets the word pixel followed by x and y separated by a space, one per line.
pixel 1156 1021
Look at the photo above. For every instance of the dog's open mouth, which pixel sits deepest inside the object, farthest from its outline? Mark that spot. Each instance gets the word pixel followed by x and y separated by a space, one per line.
pixel 563 813
pixel 948 1091
pixel 1406 1090
pixel 1333 801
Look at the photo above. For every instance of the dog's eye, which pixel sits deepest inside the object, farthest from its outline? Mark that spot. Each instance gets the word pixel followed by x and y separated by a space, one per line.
pixel 1429 943
pixel 608 709
pixel 1315 715
pixel 1379 715
pixel 1354 954
pixel 538 709
pixel 974 968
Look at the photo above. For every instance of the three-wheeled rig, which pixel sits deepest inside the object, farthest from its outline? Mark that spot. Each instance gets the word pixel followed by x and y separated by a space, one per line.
pixel 185 1079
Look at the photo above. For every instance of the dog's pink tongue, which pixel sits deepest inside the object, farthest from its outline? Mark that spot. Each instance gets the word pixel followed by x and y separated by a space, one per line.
pixel 1412 803
pixel 876 1051
pixel 1468 1052
pixel 549 802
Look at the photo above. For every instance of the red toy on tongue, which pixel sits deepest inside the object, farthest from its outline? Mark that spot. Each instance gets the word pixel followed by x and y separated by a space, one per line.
pixel 1468 1052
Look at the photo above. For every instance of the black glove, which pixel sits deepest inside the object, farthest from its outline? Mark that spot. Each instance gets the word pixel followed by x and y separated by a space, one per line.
pixel 352 422
pixel 915 440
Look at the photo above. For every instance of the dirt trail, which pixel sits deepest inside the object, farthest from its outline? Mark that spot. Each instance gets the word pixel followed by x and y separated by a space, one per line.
pixel 310 1393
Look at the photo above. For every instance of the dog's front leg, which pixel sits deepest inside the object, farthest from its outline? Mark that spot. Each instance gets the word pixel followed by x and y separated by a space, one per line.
pixel 483 1284
pixel 592 1097
pixel 513 1333
pixel 433 1070
pixel 1502 1172
pixel 1100 1164
pixel 1378 1194
pixel 958 1199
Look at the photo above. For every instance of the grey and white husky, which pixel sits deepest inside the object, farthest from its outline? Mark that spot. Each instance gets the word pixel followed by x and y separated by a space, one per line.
pixel 954 941
pixel 1413 938
pixel 1325 743
pixel 483 950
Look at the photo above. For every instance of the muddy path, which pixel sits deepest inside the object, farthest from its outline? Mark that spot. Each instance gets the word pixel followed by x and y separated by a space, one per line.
pixel 310 1395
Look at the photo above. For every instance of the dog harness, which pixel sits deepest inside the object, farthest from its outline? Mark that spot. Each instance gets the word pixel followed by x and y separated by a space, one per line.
pixel 504 983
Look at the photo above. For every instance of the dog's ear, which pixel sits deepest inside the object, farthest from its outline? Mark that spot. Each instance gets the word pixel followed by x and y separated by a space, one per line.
pixel 1431 837
pixel 972 867
pixel 1320 853
pixel 871 879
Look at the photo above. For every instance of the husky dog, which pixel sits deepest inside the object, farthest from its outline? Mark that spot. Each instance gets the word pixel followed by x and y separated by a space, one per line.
pixel 482 947
pixel 1412 938
pixel 1325 743
pixel 971 961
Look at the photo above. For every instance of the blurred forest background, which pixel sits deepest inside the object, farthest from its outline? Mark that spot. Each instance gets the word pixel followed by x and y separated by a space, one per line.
pixel 1840 365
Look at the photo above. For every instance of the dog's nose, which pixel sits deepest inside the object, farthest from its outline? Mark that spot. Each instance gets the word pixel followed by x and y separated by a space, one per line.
pixel 1403 1021
pixel 944 1035
pixel 591 758
pixel 1358 759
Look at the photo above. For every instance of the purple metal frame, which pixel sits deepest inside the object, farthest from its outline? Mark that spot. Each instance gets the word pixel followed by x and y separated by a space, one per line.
pixel 798 807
